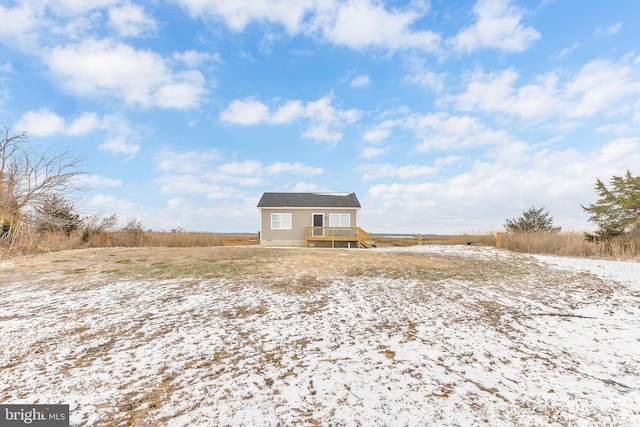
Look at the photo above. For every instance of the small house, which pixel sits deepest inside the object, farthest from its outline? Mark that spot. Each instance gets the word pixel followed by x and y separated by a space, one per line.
pixel 311 219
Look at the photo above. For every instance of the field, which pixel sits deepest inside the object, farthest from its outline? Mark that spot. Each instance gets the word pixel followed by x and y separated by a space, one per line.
pixel 437 335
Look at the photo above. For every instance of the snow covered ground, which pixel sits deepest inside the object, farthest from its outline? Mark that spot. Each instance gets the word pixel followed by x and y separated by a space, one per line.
pixel 513 340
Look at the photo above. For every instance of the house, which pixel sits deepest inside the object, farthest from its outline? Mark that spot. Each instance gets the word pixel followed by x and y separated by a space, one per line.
pixel 311 219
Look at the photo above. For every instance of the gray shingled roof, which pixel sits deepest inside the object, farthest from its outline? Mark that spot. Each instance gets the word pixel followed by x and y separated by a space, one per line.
pixel 309 200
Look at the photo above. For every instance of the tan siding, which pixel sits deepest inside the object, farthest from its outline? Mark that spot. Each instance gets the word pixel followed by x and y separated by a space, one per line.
pixel 300 219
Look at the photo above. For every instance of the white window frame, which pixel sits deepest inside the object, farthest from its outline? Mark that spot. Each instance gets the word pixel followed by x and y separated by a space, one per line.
pixel 281 225
pixel 338 220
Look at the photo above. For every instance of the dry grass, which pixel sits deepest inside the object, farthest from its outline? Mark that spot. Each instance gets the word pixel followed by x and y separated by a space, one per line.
pixel 154 239
pixel 570 244
pixel 303 268
pixel 564 243
pixel 30 243
pixel 461 239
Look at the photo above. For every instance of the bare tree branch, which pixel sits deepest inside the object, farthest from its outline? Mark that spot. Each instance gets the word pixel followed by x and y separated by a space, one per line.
pixel 8 146
pixel 28 177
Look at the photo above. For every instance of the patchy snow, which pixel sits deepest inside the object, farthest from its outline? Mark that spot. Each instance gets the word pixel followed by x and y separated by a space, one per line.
pixel 557 345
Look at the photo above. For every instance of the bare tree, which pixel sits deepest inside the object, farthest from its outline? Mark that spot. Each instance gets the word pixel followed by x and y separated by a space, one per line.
pixel 96 224
pixel 28 177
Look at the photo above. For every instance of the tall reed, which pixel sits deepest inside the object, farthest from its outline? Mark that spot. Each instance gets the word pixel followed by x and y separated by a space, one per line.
pixel 570 244
pixel 30 241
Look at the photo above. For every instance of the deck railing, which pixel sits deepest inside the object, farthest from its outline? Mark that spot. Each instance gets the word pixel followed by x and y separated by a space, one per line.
pixel 339 234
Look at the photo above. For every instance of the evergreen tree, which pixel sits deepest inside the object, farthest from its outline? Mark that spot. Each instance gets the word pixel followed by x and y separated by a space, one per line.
pixel 532 220
pixel 617 211
pixel 56 214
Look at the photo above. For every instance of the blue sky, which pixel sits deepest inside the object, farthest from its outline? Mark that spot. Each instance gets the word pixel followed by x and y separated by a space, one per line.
pixel 442 116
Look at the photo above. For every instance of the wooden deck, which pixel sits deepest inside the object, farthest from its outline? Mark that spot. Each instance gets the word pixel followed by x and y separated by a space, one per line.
pixel 347 237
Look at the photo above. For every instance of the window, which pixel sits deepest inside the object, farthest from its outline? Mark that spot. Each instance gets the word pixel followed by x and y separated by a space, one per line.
pixel 339 220
pixel 281 221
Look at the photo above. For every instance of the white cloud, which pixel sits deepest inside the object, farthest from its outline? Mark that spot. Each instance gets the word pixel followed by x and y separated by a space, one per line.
pixel 380 132
pixel 19 23
pixel 426 78
pixel 184 91
pixel 238 14
pixel 383 171
pixel 297 168
pixel 289 112
pixel 122 207
pixel 245 112
pixel 448 160
pixel 131 20
pixel 599 86
pixel 306 187
pixel 200 173
pixel 483 197
pixel 186 184
pixel 194 161
pixel 623 151
pixel 193 58
pixel 32 24
pixel 363 24
pixel 611 30
pixel 325 119
pixel 441 131
pixel 496 92
pixel 320 132
pixel 373 152
pixel 78 7
pixel 41 123
pixel 44 122
pixel 119 144
pixel 120 137
pixel 111 69
pixel 248 167
pixel 376 135
pixel 498 26
pixel 618 129
pixel 98 181
pixel 185 212
pixel 86 123
pixel 355 24
pixel 566 51
pixel 361 81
